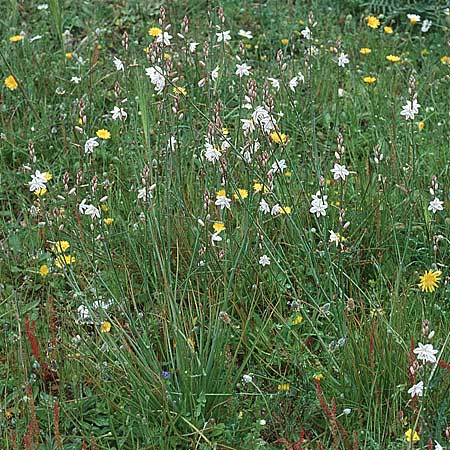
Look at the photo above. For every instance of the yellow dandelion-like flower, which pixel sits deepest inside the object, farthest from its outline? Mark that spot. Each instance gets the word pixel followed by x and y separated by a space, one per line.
pixel 393 58
pixel 44 270
pixel 429 281
pixel 221 193
pixel 298 320
pixel 16 38
pixel 225 131
pixel 279 138
pixel 259 187
pixel 365 51
pixel 40 192
pixel 179 90
pixel 369 80
pixel 103 134
pixel 11 83
pixel 388 30
pixel 284 387
pixel 166 56
pixel 318 376
pixel 48 176
pixel 218 227
pixel 445 60
pixel 69 55
pixel 411 436
pixel 421 125
pixel 105 327
pixel 285 41
pixel 154 31
pixel 104 207
pixel 372 22
pixel 64 260
pixel 108 221
pixel 60 246
pixel 241 194
pixel 285 210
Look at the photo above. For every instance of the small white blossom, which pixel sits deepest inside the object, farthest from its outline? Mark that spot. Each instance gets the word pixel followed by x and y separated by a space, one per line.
pixel 223 201
pixel 164 38
pixel 119 64
pixel 264 206
pixel 247 379
pixel 306 33
pixel 193 46
pixel 435 205
pixel 319 204
pixel 245 34
pixel 339 172
pixel 211 153
pixel 243 70
pixel 275 83
pixel 75 80
pixel 264 260
pixel 156 77
pixel 89 210
pixel 38 181
pixel 343 60
pixel 426 352
pixel 90 145
pixel 426 25
pixel 410 110
pixel 118 113
pixel 416 390
pixel 223 36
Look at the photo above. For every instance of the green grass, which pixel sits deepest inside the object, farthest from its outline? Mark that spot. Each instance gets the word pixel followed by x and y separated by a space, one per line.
pixel 160 333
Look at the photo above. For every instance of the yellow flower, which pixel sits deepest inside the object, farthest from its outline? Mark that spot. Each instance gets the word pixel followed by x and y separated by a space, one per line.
pixel 104 207
pixel 286 210
pixel 225 131
pixel 242 193
pixel 388 30
pixel 155 32
pixel 179 90
pixel 412 437
pixel 279 138
pixel 166 56
pixel 393 58
pixel 318 376
pixel 64 260
pixel 103 134
pixel 288 173
pixel 369 80
pixel 11 83
pixel 284 41
pixel 40 192
pixel 429 281
pixel 108 220
pixel 421 125
pixel 60 246
pixel 105 327
pixel 221 193
pixel 424 52
pixel 301 22
pixel 258 187
pixel 248 46
pixel 48 176
pixel 16 38
pixel 284 387
pixel 365 51
pixel 445 60
pixel 298 320
pixel 69 55
pixel 218 227
pixel 43 270
pixel 373 22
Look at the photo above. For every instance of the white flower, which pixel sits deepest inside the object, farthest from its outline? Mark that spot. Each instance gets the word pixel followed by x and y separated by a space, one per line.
pixel 262 422
pixel 264 206
pixel 89 210
pixel 119 64
pixel 216 238
pixel 223 36
pixel 242 70
pixel 426 25
pixel 346 411
pixel 334 237
pixel 319 204
pixel 214 74
pixel 38 181
pixel 275 83
pixel 437 446
pixel 264 260
pixel 90 145
pixel 156 77
pixel 275 210
pixel 341 92
pixel 416 390
pixel 343 60
pixel 410 110
pixel 339 172
pixel 245 34
pixel 426 352
pixel 75 80
pixel 413 18
pixel 42 6
pixel 262 117
pixel 84 316
pixel 211 153
pixel 435 205
pixel 144 194
pixel 278 166
pixel 164 38
pixel 306 33
pixel 223 201
pixel 193 46
pixel 247 379
pixel 118 113
pixel 248 126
